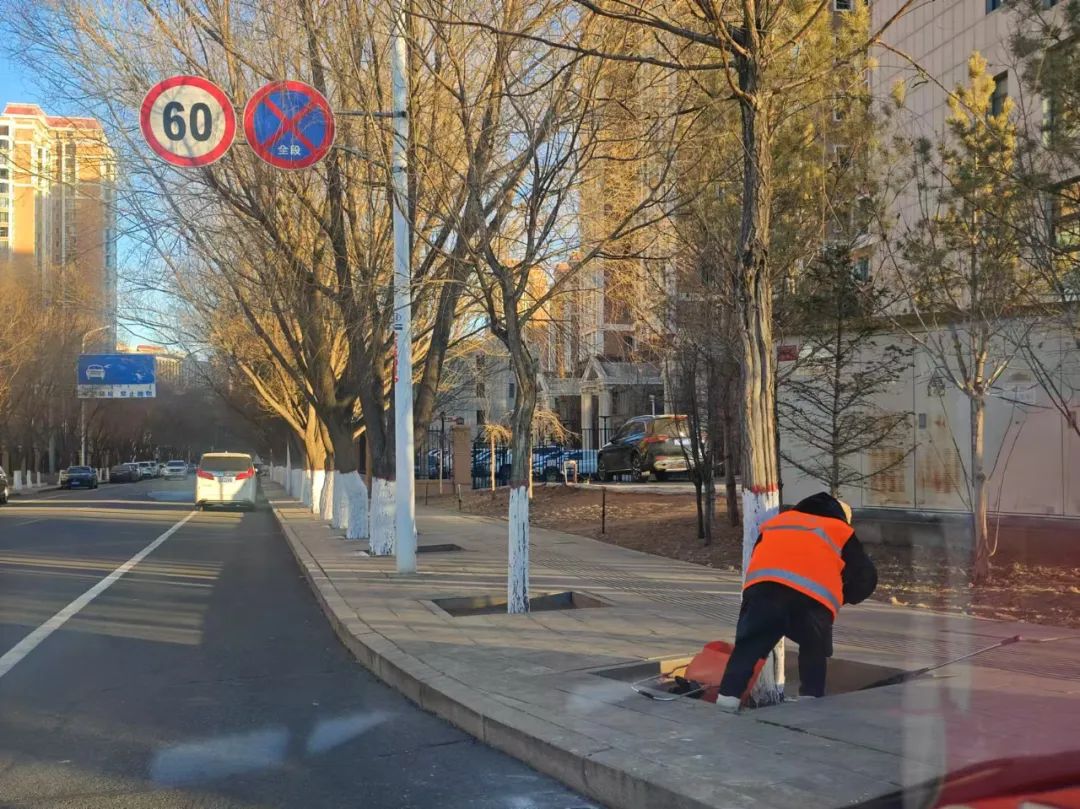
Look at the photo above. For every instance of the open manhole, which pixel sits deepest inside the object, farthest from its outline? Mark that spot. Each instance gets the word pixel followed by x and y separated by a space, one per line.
pixel 496 604
pixel 843 675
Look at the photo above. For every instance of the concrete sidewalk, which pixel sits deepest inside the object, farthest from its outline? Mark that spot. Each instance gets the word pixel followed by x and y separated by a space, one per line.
pixel 528 684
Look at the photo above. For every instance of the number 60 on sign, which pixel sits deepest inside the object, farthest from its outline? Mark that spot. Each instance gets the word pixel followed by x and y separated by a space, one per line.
pixel 188 121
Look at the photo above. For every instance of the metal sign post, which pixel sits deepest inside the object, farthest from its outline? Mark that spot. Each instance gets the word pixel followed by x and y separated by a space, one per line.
pixel 405 510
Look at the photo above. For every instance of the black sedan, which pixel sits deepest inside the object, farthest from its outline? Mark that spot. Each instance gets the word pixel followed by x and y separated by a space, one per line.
pixel 78 477
pixel 125 473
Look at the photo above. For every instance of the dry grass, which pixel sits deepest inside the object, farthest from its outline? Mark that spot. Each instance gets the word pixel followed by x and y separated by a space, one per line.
pixel 666 525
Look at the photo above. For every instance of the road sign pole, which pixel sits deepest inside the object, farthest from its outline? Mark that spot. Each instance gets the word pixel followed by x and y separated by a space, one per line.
pixel 82 432
pixel 405 514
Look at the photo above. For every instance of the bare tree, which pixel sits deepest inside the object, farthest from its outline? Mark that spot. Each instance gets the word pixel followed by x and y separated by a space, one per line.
pixel 828 404
pixel 535 128
pixel 963 272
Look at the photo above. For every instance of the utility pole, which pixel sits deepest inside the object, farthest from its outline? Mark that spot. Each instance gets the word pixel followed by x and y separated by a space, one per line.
pixel 82 402
pixel 405 510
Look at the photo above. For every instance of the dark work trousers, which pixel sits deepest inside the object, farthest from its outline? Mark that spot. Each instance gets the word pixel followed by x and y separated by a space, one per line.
pixel 771 611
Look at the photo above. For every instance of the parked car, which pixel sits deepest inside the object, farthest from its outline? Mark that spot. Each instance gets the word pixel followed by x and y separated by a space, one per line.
pixel 78 477
pixel 226 479
pixel 546 463
pixel 655 445
pixel 125 473
pixel 147 469
pixel 3 486
pixel 175 469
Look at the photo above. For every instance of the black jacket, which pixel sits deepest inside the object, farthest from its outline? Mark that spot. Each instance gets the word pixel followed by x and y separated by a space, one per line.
pixel 859 575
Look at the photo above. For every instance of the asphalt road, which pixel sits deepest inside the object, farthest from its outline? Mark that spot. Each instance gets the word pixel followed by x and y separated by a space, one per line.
pixel 204 676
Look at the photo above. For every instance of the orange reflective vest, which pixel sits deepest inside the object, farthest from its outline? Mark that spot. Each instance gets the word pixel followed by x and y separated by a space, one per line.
pixel 802 551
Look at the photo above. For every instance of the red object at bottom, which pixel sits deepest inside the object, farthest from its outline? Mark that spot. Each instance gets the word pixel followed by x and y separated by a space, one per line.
pixel 708 666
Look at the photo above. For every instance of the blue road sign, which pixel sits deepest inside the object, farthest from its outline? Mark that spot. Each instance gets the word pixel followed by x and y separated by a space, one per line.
pixel 116 376
pixel 289 124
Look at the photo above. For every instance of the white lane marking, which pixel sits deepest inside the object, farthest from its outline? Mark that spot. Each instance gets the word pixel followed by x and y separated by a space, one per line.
pixel 30 522
pixel 34 639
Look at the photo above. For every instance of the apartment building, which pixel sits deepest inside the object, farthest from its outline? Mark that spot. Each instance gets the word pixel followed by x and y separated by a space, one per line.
pixel 58 210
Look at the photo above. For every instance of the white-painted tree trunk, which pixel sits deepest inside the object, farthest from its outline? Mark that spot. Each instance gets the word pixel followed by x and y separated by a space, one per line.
pixel 517 579
pixel 318 479
pixel 305 488
pixel 296 483
pixel 17 481
pixel 339 517
pixel 382 517
pixel 355 506
pixel 326 499
pixel 758 507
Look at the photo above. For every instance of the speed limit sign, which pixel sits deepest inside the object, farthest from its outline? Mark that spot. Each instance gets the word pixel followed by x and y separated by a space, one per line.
pixel 188 121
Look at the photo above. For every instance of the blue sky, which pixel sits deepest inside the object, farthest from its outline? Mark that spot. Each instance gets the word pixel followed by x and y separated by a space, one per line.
pixel 14 84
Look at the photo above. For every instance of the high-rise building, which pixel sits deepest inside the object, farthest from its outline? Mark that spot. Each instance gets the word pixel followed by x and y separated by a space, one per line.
pixel 58 210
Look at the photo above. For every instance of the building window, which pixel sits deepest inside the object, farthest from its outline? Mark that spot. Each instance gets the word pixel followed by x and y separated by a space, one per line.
pixel 1066 216
pixel 993 5
pixel 1001 92
pixel 861 268
pixel 481 418
pixel 70 170
pixel 1049 115
pixel 511 391
pixel 481 390
pixel 843 5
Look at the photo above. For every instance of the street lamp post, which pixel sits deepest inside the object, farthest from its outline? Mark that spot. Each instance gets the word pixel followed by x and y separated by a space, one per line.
pixel 82 402
pixel 405 510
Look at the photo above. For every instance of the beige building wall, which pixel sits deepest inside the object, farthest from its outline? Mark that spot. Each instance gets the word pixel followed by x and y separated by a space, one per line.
pixel 1032 456
pixel 58 209
pixel 939 38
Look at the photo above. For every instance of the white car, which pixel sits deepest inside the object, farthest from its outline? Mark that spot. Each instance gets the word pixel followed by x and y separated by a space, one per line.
pixel 226 479
pixel 95 372
pixel 175 469
pixel 147 469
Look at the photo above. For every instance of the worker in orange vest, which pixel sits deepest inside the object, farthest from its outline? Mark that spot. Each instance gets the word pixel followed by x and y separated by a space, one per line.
pixel 807 562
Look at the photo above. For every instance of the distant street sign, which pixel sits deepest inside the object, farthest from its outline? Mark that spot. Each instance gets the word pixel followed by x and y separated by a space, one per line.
pixel 289 124
pixel 116 376
pixel 188 121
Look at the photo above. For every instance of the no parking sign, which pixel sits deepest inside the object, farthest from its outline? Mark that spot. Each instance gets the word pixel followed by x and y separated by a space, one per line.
pixel 289 124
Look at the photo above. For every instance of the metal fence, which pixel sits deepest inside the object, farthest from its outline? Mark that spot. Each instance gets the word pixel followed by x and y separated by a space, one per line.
pixel 550 463
pixel 434 455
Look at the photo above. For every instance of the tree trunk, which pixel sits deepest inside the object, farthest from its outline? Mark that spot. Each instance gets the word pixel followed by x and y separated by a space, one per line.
pixel 698 492
pixel 517 583
pixel 980 533
pixel 379 432
pixel 753 297
pixel 731 486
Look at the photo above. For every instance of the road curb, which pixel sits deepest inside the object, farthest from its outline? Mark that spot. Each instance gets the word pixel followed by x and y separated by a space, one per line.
pixel 615 778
